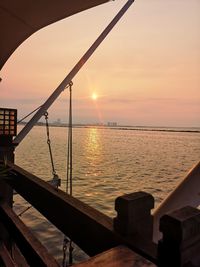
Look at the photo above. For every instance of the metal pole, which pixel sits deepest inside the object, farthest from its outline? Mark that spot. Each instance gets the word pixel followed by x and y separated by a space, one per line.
pixel 71 75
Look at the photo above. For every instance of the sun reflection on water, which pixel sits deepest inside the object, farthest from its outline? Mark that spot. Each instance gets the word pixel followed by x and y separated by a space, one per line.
pixel 93 151
pixel 106 164
pixel 93 142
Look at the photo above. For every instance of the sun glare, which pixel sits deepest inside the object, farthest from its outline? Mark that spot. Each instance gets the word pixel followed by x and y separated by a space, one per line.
pixel 94 96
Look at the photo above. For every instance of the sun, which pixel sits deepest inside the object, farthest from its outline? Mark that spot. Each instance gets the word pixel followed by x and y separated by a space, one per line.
pixel 94 96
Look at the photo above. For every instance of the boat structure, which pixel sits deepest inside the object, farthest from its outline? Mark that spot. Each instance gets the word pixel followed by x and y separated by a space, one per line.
pixel 166 237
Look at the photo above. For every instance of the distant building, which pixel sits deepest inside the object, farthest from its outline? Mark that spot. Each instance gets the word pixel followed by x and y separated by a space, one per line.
pixel 57 122
pixel 111 123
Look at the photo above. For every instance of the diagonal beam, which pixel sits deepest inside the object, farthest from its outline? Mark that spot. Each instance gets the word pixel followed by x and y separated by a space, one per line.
pixel 71 75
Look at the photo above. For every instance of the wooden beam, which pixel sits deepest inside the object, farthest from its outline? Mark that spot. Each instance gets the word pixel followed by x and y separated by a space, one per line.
pixel 90 229
pixel 6 154
pixel 116 257
pixel 33 251
pixel 18 257
pixel 5 256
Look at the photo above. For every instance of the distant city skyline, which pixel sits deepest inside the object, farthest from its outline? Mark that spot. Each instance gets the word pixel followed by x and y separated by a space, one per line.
pixel 146 72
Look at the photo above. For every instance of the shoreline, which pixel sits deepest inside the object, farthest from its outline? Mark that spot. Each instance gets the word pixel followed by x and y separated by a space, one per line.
pixel 128 128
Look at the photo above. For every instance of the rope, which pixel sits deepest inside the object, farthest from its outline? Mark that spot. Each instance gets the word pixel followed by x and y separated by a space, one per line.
pixel 28 114
pixel 71 248
pixel 55 182
pixel 66 242
pixel 49 144
pixel 69 147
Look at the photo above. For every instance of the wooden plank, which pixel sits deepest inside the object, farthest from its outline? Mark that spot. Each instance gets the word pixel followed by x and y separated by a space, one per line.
pixel 116 257
pixel 33 251
pixel 90 229
pixel 18 257
pixel 5 256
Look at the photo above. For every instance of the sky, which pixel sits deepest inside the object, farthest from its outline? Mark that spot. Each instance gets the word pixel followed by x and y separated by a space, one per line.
pixel 146 72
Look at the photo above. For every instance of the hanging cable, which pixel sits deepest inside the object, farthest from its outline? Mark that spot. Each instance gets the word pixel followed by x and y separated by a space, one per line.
pixel 71 248
pixel 66 241
pixel 69 147
pixel 65 245
pixel 49 143
pixel 28 114
pixel 56 180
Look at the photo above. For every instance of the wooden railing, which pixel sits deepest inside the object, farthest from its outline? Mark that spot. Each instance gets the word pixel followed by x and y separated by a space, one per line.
pixel 186 193
pixel 90 229
pixel 127 239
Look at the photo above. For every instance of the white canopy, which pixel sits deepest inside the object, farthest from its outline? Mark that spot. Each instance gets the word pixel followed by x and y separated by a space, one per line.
pixel 21 18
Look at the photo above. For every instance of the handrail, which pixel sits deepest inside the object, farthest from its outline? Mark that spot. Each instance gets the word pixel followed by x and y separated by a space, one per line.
pixel 90 229
pixel 187 193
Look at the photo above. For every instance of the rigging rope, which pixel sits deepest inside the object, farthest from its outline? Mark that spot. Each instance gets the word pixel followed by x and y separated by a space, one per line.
pixel 66 241
pixel 28 114
pixel 69 147
pixel 55 181
pixel 49 143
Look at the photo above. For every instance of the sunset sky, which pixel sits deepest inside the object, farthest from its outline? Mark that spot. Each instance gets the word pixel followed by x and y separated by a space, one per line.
pixel 146 72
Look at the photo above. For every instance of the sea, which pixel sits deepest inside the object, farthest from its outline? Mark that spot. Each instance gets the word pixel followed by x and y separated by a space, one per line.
pixel 107 162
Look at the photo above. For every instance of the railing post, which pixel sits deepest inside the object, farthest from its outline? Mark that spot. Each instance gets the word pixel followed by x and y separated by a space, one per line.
pixel 180 245
pixel 134 220
pixel 6 154
pixel 8 128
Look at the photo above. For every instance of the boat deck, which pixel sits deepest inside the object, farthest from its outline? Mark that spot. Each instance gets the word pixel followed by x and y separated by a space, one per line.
pixel 123 241
pixel 117 257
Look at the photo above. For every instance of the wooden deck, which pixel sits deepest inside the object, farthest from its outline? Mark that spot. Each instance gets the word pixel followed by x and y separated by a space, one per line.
pixel 120 256
pixel 125 241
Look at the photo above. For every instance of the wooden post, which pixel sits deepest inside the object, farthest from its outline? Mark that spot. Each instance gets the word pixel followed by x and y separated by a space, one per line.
pixel 180 245
pixel 8 128
pixel 6 154
pixel 134 220
pixel 6 192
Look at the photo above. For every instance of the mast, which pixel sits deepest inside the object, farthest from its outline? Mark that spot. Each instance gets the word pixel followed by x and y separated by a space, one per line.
pixel 71 75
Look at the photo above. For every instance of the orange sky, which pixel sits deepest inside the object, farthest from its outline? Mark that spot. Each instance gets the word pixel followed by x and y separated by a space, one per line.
pixel 146 72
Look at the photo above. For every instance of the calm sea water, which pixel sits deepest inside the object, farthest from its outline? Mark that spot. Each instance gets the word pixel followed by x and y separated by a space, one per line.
pixel 108 163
